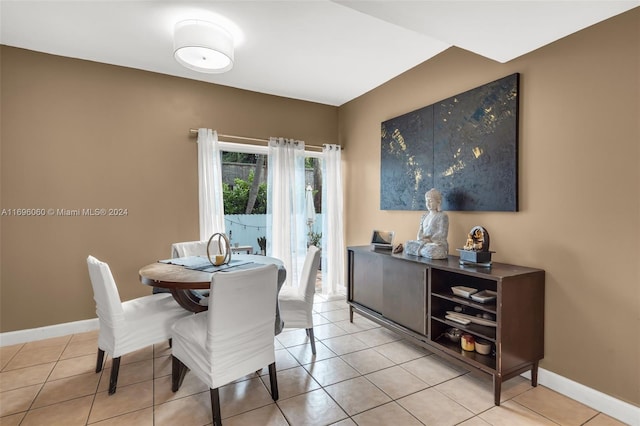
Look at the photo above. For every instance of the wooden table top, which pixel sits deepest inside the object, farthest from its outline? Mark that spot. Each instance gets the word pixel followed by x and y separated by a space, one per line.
pixel 170 276
pixel 165 275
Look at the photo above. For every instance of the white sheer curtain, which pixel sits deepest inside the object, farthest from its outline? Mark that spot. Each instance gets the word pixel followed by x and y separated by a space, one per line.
pixel 286 219
pixel 333 249
pixel 210 184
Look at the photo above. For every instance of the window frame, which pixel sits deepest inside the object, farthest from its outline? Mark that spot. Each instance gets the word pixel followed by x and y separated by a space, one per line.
pixel 258 149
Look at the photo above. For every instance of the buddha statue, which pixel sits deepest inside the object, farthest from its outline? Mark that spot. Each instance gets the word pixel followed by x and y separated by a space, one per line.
pixel 431 241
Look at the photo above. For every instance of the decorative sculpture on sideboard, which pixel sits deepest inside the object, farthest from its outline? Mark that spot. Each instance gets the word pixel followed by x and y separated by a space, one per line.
pixel 431 241
pixel 476 249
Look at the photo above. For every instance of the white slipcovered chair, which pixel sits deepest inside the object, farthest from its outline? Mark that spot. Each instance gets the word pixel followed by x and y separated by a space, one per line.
pixel 128 326
pixel 296 303
pixel 191 248
pixel 235 337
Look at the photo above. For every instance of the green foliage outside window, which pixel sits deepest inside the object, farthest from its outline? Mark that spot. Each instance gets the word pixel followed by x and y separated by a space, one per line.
pixel 315 239
pixel 236 198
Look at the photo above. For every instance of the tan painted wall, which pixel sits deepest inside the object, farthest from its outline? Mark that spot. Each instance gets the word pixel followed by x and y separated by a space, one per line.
pixel 78 134
pixel 579 215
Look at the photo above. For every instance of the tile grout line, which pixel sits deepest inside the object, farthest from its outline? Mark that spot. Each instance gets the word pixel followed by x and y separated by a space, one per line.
pixel 361 375
pixel 46 380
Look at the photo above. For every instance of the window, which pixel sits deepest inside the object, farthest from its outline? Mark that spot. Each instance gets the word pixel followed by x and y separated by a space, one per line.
pixel 244 180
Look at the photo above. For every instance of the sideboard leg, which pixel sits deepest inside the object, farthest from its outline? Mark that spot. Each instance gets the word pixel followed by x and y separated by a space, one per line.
pixel 350 313
pixel 497 386
pixel 534 374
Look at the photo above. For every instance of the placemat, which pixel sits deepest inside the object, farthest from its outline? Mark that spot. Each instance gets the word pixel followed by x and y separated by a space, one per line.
pixel 198 263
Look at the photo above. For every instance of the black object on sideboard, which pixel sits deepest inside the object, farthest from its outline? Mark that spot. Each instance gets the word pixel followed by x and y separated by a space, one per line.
pixel 412 296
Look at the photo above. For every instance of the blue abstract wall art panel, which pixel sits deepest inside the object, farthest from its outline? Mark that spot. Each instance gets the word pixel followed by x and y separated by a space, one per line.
pixel 465 146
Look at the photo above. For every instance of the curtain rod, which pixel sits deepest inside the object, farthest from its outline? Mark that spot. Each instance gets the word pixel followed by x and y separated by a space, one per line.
pixel 194 132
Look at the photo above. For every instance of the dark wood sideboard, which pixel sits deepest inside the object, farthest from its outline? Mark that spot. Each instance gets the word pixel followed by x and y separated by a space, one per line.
pixel 411 296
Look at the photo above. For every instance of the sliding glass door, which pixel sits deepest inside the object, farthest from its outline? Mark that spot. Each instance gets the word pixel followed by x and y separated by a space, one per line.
pixel 244 180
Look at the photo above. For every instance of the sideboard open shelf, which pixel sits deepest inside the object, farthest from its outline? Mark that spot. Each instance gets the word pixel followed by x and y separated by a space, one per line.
pixel 411 295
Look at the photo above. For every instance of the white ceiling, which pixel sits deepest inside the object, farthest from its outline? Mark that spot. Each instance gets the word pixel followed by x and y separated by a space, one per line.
pixel 317 50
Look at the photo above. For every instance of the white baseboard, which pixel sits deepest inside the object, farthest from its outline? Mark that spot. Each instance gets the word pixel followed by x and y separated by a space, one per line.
pixel 23 336
pixel 620 410
pixel 341 294
pixel 333 297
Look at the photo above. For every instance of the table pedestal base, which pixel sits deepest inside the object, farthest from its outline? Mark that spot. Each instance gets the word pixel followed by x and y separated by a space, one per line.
pixel 188 300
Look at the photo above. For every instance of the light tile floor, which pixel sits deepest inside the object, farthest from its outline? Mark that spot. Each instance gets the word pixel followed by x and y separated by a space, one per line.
pixel 362 374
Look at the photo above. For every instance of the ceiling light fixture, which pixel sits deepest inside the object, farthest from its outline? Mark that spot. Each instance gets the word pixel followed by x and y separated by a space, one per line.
pixel 203 46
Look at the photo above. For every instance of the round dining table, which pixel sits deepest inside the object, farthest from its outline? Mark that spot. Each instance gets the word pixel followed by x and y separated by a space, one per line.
pixel 181 281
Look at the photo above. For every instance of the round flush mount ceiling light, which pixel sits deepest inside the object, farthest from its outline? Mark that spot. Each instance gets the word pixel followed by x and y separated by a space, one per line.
pixel 203 46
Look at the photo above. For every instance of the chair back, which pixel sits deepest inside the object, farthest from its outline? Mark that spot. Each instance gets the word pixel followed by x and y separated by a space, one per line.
pixel 241 317
pixel 191 248
pixel 307 287
pixel 108 303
